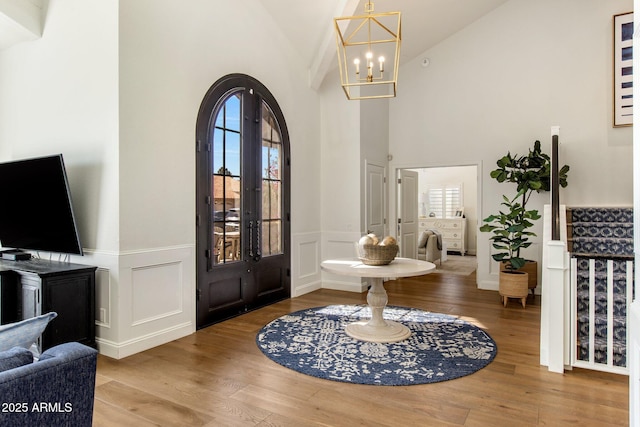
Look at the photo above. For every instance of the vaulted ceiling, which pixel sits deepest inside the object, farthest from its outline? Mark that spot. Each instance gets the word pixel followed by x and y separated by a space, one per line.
pixel 20 20
pixel 307 24
pixel 425 23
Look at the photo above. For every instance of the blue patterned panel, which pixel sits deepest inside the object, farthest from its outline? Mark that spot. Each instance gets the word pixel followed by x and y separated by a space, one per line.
pixel 600 281
pixel 618 230
pixel 603 231
pixel 603 245
pixel 619 284
pixel 602 214
pixel 619 327
pixel 600 352
pixel 601 265
pixel 600 338
pixel 619 303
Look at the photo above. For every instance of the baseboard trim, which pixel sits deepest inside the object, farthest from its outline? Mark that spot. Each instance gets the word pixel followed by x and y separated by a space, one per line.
pixel 306 288
pixel 488 285
pixel 127 348
pixel 344 286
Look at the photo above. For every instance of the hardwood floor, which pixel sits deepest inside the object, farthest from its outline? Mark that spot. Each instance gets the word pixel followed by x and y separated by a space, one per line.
pixel 218 377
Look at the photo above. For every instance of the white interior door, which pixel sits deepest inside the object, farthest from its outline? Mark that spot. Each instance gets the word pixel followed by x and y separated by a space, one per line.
pixel 408 213
pixel 375 199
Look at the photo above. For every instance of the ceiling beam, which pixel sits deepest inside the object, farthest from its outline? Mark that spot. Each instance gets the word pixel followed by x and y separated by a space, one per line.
pixel 20 20
pixel 327 52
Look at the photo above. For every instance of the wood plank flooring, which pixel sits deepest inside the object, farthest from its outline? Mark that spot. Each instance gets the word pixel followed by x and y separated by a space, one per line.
pixel 218 377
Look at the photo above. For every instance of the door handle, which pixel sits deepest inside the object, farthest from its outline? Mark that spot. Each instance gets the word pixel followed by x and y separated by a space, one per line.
pixel 255 253
pixel 258 248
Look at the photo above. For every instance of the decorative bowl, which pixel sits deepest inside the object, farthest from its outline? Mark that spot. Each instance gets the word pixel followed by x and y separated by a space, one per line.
pixel 377 254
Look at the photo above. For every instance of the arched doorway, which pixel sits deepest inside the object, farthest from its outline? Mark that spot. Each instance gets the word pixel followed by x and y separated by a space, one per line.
pixel 242 191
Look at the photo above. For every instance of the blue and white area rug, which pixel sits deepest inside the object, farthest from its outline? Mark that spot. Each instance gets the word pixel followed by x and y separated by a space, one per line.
pixel 313 341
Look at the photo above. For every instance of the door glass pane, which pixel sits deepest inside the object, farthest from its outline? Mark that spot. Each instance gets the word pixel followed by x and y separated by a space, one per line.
pixel 226 200
pixel 271 184
pixel 271 244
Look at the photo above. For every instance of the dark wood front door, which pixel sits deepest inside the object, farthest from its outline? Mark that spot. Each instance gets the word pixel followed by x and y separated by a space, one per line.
pixel 243 221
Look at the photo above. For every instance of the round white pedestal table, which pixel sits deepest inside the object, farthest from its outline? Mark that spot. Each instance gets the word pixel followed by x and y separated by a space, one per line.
pixel 377 329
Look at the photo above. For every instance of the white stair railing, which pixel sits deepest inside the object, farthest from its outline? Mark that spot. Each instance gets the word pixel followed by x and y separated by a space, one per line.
pixel 555 301
pixel 591 362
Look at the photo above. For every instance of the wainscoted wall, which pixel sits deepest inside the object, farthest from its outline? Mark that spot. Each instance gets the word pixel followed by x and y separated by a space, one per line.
pixel 305 263
pixel 143 298
pixel 103 298
pixel 310 249
pixel 341 245
pixel 147 298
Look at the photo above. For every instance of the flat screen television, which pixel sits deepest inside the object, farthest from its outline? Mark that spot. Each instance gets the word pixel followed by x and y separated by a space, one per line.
pixel 35 206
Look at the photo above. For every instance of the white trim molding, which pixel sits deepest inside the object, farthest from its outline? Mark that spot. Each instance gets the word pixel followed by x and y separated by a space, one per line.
pixel 341 245
pixel 305 263
pixel 144 298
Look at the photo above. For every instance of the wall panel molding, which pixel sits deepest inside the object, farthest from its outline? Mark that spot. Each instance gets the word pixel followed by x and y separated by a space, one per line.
pixel 337 244
pixel 146 297
pixel 305 263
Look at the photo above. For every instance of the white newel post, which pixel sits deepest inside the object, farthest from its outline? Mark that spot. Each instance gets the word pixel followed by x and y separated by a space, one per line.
pixel 556 299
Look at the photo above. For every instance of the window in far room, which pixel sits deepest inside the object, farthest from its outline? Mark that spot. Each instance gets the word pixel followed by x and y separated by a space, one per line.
pixel 444 200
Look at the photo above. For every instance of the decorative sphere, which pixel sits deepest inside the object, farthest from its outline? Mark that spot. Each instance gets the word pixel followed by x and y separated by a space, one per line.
pixel 365 240
pixel 389 240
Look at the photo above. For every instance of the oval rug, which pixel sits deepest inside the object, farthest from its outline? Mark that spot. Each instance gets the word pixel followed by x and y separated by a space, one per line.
pixel 313 341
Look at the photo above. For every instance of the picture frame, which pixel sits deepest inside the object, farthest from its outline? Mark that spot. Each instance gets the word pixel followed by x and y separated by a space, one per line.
pixel 623 69
pixel 459 213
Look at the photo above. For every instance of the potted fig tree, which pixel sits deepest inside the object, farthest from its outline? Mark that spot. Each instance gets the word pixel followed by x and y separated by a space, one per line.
pixel 531 172
pixel 510 228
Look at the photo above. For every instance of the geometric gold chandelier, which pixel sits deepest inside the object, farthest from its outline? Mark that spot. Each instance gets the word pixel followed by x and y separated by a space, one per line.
pixel 369 53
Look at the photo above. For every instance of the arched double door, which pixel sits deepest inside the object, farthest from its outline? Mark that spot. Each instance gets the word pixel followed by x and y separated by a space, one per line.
pixel 242 200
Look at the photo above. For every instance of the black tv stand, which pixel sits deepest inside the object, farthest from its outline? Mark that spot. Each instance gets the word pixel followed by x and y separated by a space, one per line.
pixel 37 286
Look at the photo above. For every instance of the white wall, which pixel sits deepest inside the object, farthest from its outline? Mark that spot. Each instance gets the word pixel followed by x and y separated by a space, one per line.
pixel 116 86
pixel 60 95
pixel 500 84
pixel 169 57
pixel 341 173
pixel 374 145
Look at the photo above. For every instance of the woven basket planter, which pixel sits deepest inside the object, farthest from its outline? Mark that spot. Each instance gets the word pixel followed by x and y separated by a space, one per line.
pixel 514 284
pixel 530 267
pixel 377 254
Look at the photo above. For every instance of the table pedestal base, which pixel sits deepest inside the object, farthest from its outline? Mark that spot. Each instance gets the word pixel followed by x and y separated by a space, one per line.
pixel 389 332
pixel 377 329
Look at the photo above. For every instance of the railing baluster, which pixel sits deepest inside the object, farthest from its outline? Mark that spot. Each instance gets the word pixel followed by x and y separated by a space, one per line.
pixel 590 362
pixel 630 285
pixel 610 312
pixel 634 286
pixel 592 310
pixel 574 311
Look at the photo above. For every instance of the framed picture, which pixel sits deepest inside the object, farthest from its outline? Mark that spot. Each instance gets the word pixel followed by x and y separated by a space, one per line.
pixel 459 213
pixel 623 69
